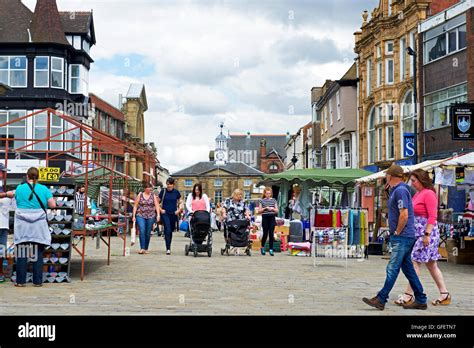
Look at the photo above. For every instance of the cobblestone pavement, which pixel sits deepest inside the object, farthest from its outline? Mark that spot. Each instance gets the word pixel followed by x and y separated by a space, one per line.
pixel 225 285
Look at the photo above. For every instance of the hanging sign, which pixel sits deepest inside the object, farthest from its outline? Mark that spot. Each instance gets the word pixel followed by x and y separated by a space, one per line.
pixel 408 144
pixel 462 121
pixel 50 174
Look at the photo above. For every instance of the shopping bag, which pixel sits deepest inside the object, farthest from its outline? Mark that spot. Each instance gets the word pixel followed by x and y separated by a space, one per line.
pixel 133 233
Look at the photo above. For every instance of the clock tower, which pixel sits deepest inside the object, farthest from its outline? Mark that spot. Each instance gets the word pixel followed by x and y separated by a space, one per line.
pixel 221 151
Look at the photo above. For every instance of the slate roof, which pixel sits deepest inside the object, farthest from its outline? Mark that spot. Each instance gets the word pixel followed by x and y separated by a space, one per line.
pixel 46 24
pixel 236 168
pixel 244 143
pixel 137 91
pixel 109 109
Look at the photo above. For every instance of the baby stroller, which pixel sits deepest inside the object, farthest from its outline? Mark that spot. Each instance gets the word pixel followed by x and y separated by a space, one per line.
pixel 237 236
pixel 200 229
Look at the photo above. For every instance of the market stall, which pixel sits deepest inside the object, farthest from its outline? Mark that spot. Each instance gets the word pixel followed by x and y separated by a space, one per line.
pixel 79 154
pixel 339 222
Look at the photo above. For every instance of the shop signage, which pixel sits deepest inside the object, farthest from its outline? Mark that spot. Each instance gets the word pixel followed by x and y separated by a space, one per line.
pixel 462 121
pixel 21 166
pixel 50 174
pixel 408 144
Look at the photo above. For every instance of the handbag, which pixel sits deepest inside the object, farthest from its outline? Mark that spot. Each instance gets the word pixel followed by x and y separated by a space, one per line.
pixel 133 232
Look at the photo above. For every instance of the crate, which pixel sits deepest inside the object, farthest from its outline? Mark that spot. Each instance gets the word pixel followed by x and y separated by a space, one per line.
pixel 460 256
pixel 256 244
pixel 284 230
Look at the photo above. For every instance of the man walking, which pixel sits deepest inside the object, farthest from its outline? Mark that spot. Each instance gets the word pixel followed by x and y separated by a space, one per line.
pixel 402 237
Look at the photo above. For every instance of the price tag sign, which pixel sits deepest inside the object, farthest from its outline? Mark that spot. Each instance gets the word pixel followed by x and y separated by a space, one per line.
pixel 49 174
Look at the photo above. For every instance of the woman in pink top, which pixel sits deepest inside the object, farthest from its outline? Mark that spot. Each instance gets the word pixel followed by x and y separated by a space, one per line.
pixel 197 200
pixel 425 250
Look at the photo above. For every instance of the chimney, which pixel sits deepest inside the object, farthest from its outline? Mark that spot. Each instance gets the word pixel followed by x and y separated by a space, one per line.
pixel 263 153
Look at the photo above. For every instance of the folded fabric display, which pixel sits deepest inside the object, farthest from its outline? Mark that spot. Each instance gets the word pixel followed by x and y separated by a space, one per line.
pixel 70 204
pixel 329 235
pixel 323 218
pixel 300 246
pixel 356 227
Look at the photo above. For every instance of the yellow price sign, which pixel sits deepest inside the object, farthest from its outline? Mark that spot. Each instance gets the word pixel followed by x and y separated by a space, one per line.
pixel 49 174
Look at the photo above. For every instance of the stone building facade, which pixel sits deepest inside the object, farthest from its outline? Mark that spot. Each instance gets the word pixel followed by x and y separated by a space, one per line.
pixel 385 89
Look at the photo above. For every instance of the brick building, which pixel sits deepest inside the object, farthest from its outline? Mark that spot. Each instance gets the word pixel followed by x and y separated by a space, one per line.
pixel 446 65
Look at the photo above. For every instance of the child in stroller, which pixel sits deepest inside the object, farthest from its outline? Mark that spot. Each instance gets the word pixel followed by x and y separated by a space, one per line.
pixel 200 232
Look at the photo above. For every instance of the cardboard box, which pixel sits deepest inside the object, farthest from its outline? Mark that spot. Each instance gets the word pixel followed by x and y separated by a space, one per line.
pixel 256 244
pixel 284 230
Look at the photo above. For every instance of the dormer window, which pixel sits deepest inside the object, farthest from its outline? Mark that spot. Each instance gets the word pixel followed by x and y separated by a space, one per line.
pixel 77 41
pixel 86 46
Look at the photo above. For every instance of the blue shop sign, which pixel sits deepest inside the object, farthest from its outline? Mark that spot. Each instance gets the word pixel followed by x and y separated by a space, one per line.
pixel 408 145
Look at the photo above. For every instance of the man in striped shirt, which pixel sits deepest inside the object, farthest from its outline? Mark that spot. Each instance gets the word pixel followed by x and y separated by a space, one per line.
pixel 80 198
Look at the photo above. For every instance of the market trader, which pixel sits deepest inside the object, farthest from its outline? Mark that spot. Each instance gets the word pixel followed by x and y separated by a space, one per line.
pixel 402 237
pixel 170 200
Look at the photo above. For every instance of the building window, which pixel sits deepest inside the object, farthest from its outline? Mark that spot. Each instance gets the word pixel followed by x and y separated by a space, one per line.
pixel 57 72
pixel 330 113
pixel 248 182
pixel 217 196
pixel 390 142
pixel 15 130
pixel 14 71
pixel 346 153
pixel 331 157
pixel 379 74
pixel 338 101
pixel 77 42
pixel 315 114
pixel 325 119
pixel 40 131
pixel 379 143
pixel 188 182
pixel 380 114
pixel 389 111
pixel 445 39
pixel 369 76
pixel 389 10
pixel 408 114
pixel 378 51
pixel 247 195
pixel 41 72
pixel 371 136
pixel 78 79
pixel 69 39
pixel 413 46
pixel 389 48
pixel 86 46
pixel 438 103
pixel 403 58
pixel 273 168
pixel 389 71
pixel 218 183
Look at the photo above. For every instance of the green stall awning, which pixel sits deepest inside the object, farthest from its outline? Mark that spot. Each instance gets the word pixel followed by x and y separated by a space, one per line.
pixel 317 177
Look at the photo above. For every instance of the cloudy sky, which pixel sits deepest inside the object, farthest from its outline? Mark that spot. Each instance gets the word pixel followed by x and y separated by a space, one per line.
pixel 248 63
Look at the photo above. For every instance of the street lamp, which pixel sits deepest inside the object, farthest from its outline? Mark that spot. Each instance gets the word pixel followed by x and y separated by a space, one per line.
pixel 412 52
pixel 294 159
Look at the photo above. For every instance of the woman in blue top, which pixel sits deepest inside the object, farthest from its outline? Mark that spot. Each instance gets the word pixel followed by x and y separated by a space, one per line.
pixel 31 227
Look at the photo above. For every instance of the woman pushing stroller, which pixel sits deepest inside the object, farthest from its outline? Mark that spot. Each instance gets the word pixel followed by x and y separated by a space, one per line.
pixel 235 213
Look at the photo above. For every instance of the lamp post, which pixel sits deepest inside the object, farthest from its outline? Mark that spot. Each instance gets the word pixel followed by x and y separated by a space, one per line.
pixel 294 159
pixel 412 53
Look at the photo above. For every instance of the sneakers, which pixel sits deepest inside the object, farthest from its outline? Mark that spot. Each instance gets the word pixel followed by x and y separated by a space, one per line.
pixel 374 302
pixel 2 278
pixel 262 251
pixel 271 252
pixel 415 305
pixel 168 252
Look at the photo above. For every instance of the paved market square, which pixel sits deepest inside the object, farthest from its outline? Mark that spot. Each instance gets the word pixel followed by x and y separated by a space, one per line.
pixel 157 284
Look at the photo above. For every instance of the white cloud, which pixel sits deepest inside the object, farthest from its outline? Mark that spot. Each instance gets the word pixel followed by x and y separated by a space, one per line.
pixel 219 61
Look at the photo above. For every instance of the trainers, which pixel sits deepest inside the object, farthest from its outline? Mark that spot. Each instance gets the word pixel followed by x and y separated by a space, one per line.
pixel 415 305
pixel 2 278
pixel 262 251
pixel 168 252
pixel 374 302
pixel 271 252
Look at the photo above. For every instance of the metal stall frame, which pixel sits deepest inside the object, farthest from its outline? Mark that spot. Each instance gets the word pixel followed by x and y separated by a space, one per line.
pixel 87 150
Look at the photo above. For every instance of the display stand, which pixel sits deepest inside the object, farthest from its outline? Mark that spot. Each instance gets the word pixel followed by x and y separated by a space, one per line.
pixel 57 257
pixel 323 246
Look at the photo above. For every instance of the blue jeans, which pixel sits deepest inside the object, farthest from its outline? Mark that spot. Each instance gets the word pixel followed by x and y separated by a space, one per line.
pixel 169 221
pixel 401 259
pixel 35 251
pixel 144 228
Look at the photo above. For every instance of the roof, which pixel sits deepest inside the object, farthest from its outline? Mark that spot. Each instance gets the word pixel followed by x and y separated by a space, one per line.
pixel 236 168
pixel 137 91
pixel 351 74
pixel 319 177
pixel 45 25
pixel 15 20
pixel 78 22
pixel 239 142
pixel 106 107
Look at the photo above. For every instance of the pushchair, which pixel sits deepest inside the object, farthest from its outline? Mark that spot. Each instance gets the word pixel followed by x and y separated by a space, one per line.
pixel 200 230
pixel 237 236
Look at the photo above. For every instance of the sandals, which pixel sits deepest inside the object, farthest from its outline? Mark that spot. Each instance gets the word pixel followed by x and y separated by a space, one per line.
pixel 20 285
pixel 446 301
pixel 402 302
pixel 141 252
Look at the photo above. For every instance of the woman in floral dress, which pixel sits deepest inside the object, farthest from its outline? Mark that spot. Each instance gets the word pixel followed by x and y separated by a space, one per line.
pixel 425 250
